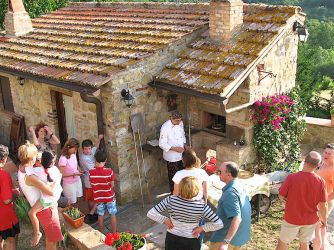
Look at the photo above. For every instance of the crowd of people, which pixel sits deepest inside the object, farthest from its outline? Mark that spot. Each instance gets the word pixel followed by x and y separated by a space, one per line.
pixel 44 181
pixel 45 178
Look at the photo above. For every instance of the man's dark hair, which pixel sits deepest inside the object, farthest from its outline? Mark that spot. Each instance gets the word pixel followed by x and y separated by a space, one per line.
pixel 330 145
pixel 87 143
pixel 100 156
pixel 176 114
pixel 3 152
pixel 233 169
pixel 313 159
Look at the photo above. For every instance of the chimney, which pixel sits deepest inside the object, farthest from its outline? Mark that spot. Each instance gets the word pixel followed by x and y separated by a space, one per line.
pixel 17 20
pixel 224 18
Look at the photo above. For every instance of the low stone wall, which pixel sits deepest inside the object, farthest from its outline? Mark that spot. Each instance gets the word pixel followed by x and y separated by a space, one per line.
pixel 318 133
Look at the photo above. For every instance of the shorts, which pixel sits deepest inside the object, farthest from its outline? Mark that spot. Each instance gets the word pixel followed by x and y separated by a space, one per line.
pixel 89 194
pixel 72 191
pixel 289 232
pixel 10 232
pixel 49 220
pixel 45 204
pixel 101 208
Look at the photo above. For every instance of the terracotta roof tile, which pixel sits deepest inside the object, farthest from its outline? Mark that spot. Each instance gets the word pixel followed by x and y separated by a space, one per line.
pixel 86 44
pixel 208 67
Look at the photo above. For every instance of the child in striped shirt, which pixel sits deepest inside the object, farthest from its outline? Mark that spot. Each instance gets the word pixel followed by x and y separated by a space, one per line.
pixel 184 216
pixel 102 182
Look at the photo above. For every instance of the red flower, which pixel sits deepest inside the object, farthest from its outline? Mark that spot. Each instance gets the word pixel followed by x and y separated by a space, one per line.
pixel 126 246
pixel 117 236
pixel 109 239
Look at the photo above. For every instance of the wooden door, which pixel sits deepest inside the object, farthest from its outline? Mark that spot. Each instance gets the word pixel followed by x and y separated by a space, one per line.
pixel 61 118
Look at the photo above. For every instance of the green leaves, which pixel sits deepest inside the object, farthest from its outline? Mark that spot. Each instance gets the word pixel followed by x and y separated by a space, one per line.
pixel 22 208
pixel 278 147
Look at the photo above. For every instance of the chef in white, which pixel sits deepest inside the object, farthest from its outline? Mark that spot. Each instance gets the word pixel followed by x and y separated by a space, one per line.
pixel 172 141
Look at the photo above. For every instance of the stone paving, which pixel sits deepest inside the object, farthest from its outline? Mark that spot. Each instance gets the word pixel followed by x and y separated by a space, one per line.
pixel 132 217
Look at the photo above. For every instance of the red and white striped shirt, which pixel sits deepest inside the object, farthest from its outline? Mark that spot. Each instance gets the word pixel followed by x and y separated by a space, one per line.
pixel 100 179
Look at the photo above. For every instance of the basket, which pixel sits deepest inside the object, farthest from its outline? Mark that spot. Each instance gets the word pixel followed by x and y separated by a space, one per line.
pixel 74 223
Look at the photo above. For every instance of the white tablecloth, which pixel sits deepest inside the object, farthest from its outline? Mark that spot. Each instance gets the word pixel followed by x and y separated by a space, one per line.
pixel 257 184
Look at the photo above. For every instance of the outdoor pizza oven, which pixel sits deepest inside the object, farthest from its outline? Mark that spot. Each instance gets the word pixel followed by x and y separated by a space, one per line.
pixel 214 123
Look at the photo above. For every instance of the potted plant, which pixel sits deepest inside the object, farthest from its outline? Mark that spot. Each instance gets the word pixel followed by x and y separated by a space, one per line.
pixel 73 216
pixel 332 116
pixel 126 241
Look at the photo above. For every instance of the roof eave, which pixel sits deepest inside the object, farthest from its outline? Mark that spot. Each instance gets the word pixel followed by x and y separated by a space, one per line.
pixel 57 83
pixel 185 91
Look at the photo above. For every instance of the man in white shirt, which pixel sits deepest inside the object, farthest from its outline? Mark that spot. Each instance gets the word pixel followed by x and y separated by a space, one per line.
pixel 172 141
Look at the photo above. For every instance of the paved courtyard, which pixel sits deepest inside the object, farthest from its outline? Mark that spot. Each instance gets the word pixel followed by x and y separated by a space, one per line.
pixel 132 217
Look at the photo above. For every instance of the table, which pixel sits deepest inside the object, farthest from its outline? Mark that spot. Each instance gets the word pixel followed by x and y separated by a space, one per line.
pixel 255 185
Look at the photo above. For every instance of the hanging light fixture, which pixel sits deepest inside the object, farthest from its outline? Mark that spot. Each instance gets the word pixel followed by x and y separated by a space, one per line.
pixel 127 97
pixel 301 32
pixel 21 80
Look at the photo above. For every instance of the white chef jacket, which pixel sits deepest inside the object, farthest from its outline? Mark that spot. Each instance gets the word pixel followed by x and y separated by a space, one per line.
pixel 171 136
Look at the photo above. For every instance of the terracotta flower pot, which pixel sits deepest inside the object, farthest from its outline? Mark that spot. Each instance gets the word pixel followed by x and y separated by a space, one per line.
pixel 332 120
pixel 76 223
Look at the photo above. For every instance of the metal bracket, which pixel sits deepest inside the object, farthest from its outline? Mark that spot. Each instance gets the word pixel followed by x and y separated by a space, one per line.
pixel 267 73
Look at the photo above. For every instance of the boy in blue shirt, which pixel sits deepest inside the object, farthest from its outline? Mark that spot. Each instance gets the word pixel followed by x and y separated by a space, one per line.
pixel 87 162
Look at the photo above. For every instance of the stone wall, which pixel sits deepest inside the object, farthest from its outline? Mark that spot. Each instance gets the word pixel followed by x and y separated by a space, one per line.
pixel 36 102
pixel 319 132
pixel 282 61
pixel 151 103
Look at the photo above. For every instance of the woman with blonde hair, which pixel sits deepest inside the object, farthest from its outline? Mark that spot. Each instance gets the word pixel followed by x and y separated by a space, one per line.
pixel 32 187
pixel 184 216
pixel 68 166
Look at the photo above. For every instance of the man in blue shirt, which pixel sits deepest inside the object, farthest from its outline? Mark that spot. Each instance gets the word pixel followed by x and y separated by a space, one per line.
pixel 234 210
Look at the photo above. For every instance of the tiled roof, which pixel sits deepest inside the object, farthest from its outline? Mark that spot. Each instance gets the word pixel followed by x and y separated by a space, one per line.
pixel 210 68
pixel 87 45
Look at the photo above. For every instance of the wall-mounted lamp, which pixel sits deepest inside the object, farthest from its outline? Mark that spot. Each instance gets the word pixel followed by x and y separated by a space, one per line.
pixel 21 80
pixel 301 31
pixel 127 97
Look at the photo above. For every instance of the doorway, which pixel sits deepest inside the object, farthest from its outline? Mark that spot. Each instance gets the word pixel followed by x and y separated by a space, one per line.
pixel 66 119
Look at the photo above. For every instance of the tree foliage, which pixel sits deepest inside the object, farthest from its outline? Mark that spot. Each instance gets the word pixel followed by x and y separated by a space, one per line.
pixel 35 8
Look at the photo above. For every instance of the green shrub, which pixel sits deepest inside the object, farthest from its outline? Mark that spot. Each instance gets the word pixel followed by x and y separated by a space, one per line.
pixel 22 207
pixel 278 129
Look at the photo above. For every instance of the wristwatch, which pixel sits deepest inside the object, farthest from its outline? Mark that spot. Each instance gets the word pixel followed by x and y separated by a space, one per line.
pixel 226 241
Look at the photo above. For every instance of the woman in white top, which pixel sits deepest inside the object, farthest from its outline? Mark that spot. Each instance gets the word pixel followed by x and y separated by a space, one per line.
pixel 190 162
pixel 32 187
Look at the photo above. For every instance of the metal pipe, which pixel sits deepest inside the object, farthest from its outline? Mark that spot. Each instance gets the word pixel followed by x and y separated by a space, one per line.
pixel 231 110
pixel 99 114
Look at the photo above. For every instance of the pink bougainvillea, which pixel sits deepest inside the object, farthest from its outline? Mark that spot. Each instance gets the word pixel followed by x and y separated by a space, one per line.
pixel 272 110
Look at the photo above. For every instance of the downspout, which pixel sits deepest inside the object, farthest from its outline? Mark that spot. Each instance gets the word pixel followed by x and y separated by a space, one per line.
pixel 99 114
pixel 237 108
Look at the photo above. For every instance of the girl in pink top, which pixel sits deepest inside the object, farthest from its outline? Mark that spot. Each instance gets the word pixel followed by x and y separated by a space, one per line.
pixel 68 166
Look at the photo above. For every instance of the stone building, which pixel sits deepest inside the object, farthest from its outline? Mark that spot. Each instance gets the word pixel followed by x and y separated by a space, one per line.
pixel 211 61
